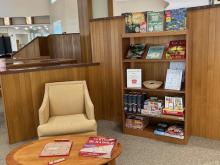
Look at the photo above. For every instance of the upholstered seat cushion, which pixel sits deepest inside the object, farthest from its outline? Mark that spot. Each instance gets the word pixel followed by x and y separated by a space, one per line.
pixel 62 125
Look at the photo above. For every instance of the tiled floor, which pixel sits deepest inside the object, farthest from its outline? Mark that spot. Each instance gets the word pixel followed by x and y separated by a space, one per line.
pixel 142 151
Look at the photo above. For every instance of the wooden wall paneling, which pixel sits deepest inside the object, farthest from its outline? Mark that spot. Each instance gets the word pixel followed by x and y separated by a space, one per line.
pixel 110 8
pixel 65 46
pixel 205 34
pixel 31 50
pixel 43 46
pixel 85 13
pixel 23 95
pixel 106 48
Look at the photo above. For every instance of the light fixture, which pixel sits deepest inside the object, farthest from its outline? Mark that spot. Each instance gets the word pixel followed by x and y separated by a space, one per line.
pixel 29 20
pixel 25 28
pixel 7 21
pixel 16 28
pixel 39 28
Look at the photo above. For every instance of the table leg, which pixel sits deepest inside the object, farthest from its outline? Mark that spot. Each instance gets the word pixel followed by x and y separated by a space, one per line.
pixel 113 162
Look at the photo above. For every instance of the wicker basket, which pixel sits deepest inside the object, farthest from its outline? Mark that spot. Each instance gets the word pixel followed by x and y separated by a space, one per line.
pixel 152 84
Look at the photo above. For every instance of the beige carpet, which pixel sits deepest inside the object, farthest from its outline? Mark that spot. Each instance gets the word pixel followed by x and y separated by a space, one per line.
pixel 142 151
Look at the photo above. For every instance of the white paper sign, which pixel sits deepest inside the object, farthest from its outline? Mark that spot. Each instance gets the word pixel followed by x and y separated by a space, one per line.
pixel 174 79
pixel 134 78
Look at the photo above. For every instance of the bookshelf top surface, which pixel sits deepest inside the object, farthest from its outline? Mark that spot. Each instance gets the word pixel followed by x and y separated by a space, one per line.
pixel 154 34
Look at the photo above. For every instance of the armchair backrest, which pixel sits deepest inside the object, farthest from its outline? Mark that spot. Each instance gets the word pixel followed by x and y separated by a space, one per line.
pixel 66 98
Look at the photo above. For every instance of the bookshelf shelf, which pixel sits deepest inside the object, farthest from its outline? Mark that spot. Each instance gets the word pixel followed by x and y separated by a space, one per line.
pixel 150 61
pixel 156 70
pixel 149 133
pixel 155 90
pixel 167 117
pixel 154 34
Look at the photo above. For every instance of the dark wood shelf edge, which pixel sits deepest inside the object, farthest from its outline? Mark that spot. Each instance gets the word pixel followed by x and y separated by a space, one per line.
pixel 148 133
pixel 173 118
pixel 151 61
pixel 155 90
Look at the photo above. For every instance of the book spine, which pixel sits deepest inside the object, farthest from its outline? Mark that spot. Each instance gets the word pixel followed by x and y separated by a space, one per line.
pixel 130 103
pixel 139 103
pixel 126 97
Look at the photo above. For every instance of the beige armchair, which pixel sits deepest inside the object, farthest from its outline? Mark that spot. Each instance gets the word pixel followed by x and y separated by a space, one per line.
pixel 66 109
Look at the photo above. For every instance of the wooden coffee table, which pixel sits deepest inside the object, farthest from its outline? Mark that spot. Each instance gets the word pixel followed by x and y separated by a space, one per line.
pixel 29 154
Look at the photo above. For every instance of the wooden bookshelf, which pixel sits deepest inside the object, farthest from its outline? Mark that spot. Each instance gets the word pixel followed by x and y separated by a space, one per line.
pixel 167 117
pixel 156 70
pixel 154 90
pixel 151 61
pixel 154 34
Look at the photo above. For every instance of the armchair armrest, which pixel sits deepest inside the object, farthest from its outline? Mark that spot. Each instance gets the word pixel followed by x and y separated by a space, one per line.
pixel 44 110
pixel 89 106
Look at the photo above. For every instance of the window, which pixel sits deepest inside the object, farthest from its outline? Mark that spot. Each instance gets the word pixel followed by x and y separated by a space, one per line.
pixel 57 27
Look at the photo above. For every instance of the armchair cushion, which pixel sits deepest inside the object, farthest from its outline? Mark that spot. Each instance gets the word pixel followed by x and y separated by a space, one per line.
pixel 66 98
pixel 62 125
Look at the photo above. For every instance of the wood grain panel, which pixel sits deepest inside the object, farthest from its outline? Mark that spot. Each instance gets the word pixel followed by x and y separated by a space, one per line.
pixel 23 95
pixel 65 46
pixel 55 46
pixel 110 8
pixel 85 13
pixel 107 49
pixel 205 36
pixel 31 50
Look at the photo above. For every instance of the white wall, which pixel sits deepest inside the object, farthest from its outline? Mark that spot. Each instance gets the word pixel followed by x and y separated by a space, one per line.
pixel 174 4
pixel 124 6
pixel 23 8
pixel 12 34
pixel 100 8
pixel 67 12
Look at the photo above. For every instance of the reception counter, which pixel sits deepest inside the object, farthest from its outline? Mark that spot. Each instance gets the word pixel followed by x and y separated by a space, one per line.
pixel 23 90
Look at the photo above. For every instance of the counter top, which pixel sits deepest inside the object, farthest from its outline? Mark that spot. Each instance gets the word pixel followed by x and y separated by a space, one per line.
pixel 10 66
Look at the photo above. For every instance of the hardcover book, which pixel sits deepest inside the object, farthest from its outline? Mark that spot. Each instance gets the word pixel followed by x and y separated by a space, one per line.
pixel 155 52
pixel 155 21
pixel 136 51
pixel 175 19
pixel 176 50
pixel 135 22
pixel 98 147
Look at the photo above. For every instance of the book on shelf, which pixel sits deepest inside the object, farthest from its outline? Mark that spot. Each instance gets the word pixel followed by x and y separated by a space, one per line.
pixel 175 19
pixel 136 51
pixel 136 122
pixel 155 21
pixel 135 22
pixel 98 147
pixel 173 131
pixel 176 50
pixel 155 52
pixel 174 106
pixel 56 149
pixel 174 79
pixel 134 78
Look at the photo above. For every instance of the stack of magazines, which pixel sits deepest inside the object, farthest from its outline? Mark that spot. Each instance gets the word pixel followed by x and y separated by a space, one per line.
pixel 98 147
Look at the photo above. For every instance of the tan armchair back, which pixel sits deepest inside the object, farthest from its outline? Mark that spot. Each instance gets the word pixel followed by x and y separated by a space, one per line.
pixel 66 98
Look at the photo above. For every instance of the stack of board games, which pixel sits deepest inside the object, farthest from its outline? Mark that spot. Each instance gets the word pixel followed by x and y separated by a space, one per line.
pixel 155 21
pixel 98 147
pixel 153 106
pixel 174 106
pixel 135 22
pixel 174 131
pixel 133 102
pixel 136 122
pixel 175 19
pixel 176 50
pixel 136 51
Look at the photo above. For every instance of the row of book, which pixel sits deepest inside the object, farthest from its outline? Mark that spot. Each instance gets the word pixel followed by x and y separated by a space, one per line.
pixel 133 102
pixel 169 20
pixel 136 103
pixel 170 130
pixel 175 50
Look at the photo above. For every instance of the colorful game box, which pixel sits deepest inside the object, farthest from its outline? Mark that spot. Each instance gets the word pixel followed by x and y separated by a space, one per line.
pixel 155 21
